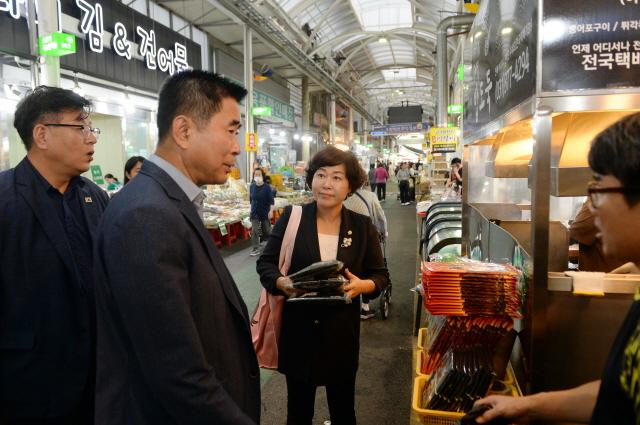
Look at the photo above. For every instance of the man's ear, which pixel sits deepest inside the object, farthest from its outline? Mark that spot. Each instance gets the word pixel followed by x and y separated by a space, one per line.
pixel 39 135
pixel 181 129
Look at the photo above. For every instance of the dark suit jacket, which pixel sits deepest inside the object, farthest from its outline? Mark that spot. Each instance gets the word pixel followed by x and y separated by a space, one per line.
pixel 320 343
pixel 174 345
pixel 45 326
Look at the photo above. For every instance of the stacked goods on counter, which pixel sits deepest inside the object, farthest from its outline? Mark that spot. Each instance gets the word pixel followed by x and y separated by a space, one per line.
pixel 471 288
pixel 227 203
pixel 461 333
pixel 470 331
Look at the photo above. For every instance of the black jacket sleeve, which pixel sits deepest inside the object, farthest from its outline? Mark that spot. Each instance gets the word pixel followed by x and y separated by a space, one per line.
pixel 374 268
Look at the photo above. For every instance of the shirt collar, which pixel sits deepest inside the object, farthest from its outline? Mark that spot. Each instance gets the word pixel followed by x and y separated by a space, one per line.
pixel 74 182
pixel 188 187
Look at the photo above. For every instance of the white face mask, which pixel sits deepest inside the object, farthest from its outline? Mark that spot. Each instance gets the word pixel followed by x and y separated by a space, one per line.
pixel 258 180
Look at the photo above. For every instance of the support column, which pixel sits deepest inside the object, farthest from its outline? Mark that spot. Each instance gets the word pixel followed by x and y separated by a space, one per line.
pixel 540 179
pixel 33 42
pixel 332 127
pixel 365 132
pixel 48 23
pixel 248 101
pixel 350 135
pixel 306 105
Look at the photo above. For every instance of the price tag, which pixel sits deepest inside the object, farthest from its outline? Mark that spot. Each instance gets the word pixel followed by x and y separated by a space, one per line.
pixel 223 227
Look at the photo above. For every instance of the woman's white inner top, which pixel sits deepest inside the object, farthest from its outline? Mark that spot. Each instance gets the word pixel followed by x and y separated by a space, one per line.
pixel 328 246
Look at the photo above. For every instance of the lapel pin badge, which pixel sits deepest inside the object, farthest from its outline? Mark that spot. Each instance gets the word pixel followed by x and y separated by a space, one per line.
pixel 88 200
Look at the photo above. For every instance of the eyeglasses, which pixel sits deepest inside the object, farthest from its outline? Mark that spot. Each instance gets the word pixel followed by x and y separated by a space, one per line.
pixel 596 192
pixel 86 130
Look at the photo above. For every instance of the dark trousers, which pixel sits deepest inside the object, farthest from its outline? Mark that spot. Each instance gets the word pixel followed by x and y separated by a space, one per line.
pixel 404 191
pixel 373 187
pixel 302 397
pixel 382 191
pixel 260 229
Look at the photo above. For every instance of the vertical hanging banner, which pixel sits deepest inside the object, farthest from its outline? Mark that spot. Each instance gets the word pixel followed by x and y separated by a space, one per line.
pixel 251 142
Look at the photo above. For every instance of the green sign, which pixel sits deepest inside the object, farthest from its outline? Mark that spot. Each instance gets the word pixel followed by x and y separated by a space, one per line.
pixel 96 174
pixel 261 111
pixel 279 109
pixel 57 44
pixel 455 108
pixel 369 145
pixel 461 72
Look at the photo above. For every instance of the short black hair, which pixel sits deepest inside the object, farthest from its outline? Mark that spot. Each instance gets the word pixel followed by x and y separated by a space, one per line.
pixel 330 157
pixel 128 166
pixel 616 152
pixel 196 94
pixel 42 103
pixel 456 160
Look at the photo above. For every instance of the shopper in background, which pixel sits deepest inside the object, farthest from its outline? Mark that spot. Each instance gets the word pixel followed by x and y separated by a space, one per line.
pixel 403 177
pixel 112 181
pixel 583 229
pixel 174 344
pixel 48 215
pixel 366 203
pixel 132 167
pixel 372 177
pixel 382 175
pixel 615 202
pixel 319 344
pixel 261 198
pixel 455 177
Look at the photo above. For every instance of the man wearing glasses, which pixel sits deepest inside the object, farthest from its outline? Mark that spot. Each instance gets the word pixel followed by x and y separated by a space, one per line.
pixel 48 214
pixel 615 202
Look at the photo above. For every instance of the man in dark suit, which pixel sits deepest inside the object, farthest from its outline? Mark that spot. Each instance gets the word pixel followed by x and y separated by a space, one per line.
pixel 48 215
pixel 174 344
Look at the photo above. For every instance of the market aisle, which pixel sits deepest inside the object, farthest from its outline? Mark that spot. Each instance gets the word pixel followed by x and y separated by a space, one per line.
pixel 383 389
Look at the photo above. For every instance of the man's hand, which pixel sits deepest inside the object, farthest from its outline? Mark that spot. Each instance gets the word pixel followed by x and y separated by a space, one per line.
pixel 514 408
pixel 357 286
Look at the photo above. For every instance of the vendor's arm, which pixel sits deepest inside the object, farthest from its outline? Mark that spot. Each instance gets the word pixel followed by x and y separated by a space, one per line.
pixel 574 405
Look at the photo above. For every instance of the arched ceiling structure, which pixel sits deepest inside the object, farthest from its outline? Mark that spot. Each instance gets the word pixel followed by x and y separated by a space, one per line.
pixel 381 51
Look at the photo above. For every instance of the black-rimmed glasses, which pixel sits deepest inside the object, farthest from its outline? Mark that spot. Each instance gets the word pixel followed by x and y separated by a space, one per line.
pixel 596 192
pixel 86 130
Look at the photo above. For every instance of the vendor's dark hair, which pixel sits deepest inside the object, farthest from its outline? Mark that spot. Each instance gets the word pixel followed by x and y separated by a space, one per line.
pixel 44 103
pixel 331 156
pixel 128 166
pixel 616 152
pixel 456 160
pixel 195 93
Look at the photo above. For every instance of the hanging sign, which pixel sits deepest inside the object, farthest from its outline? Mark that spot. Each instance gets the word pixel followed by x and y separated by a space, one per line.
pixel 261 111
pixel 590 45
pixel 251 142
pixel 455 108
pixel 394 129
pixel 57 44
pixel 444 139
pixel 96 174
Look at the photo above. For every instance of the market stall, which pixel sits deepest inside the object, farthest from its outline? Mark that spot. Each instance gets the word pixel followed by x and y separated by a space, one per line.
pixel 546 77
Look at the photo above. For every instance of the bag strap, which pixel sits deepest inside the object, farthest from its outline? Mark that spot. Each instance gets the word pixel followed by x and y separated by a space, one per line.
pixel 289 239
pixel 365 203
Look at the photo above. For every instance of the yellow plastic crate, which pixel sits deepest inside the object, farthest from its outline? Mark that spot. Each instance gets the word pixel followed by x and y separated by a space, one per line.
pixel 422 334
pixel 440 417
pixel 419 364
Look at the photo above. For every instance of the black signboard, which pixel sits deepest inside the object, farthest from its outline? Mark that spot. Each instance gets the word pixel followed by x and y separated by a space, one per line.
pixel 14 35
pixel 502 57
pixel 112 27
pixel 590 44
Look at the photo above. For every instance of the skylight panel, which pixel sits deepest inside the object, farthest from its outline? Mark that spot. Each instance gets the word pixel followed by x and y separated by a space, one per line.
pixel 383 15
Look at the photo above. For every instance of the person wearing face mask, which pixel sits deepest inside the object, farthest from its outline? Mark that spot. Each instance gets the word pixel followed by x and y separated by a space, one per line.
pixel 319 343
pixel 261 198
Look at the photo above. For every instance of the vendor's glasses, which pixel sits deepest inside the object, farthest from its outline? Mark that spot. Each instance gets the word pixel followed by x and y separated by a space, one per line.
pixel 595 192
pixel 86 130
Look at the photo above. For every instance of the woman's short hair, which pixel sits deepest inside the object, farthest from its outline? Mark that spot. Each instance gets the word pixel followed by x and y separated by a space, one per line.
pixel 330 157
